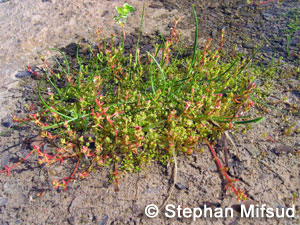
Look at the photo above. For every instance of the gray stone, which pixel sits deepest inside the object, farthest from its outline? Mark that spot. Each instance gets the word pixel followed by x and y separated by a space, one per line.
pixel 7 121
pixel 283 149
pixel 181 186
pixel 104 220
pixel 3 201
pixel 23 74
pixel 153 190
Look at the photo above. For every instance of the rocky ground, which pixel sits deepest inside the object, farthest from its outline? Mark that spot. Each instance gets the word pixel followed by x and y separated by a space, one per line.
pixel 268 168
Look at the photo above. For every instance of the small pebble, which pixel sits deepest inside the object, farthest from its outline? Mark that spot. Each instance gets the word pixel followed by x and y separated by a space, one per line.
pixel 23 74
pixel 3 201
pixel 7 124
pixel 153 190
pixel 7 121
pixel 283 149
pixel 263 176
pixel 181 186
pixel 104 220
pixel 105 13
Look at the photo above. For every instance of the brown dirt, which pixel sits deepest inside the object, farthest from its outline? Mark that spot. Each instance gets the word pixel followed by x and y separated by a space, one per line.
pixel 267 169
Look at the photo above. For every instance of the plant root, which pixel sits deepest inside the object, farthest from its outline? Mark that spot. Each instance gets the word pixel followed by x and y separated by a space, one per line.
pixel 174 182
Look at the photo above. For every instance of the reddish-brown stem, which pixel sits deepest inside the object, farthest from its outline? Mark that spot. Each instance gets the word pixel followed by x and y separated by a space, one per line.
pixel 68 179
pixel 221 168
pixel 8 169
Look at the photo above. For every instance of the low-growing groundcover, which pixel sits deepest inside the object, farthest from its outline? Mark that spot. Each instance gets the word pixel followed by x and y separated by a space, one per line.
pixel 122 111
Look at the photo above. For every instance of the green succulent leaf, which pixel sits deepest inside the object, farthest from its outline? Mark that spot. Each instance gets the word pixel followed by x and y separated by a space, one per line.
pixel 123 13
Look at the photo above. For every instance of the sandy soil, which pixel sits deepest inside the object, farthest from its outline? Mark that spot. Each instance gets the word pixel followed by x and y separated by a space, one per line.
pixel 268 168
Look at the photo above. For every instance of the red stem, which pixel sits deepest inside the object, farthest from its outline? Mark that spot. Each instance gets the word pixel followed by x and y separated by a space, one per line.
pixel 221 167
pixel 72 175
pixel 8 169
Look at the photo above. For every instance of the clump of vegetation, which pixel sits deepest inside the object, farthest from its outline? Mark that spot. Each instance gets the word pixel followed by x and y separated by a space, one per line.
pixel 113 109
pixel 293 27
